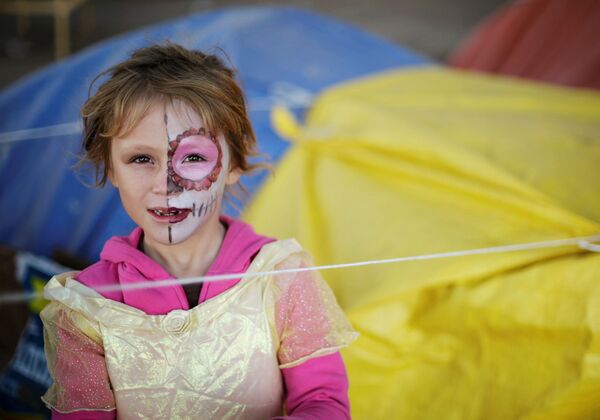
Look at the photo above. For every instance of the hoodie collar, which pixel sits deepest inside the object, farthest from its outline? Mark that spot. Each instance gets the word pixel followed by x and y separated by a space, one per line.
pixel 239 246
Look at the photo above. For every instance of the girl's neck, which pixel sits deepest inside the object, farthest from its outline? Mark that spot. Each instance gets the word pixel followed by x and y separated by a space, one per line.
pixel 192 257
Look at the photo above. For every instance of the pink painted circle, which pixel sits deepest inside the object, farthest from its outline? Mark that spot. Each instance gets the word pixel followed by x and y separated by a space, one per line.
pixel 195 157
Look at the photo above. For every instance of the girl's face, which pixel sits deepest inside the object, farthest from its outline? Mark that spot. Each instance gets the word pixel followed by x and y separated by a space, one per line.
pixel 171 173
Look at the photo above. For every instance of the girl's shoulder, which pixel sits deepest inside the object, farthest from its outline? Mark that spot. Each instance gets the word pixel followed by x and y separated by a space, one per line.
pixel 281 255
pixel 102 273
pixel 117 250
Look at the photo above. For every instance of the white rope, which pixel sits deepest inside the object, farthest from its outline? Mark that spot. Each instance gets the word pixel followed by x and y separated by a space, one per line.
pixel 280 94
pixel 72 128
pixel 56 130
pixel 585 243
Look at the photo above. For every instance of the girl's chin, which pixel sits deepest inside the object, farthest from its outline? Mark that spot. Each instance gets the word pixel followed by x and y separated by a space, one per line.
pixel 169 234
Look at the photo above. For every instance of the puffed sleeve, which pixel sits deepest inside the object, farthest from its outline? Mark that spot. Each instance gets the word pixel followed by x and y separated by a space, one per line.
pixel 75 358
pixel 308 319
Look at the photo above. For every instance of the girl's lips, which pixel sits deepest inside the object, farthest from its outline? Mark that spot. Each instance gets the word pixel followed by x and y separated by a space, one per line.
pixel 169 215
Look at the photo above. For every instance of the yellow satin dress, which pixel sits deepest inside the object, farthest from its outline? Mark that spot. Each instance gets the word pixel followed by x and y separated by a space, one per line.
pixel 221 359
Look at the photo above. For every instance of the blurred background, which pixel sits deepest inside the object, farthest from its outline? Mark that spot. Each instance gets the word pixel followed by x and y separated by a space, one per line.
pixel 33 33
pixel 460 125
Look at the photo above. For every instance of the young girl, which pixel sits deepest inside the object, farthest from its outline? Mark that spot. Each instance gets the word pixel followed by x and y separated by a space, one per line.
pixel 170 130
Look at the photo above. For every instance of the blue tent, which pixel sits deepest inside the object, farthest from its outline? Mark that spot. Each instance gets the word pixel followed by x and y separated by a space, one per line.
pixel 45 205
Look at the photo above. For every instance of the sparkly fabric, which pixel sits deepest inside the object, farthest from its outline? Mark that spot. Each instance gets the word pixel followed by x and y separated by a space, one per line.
pixel 308 319
pixel 73 346
pixel 220 359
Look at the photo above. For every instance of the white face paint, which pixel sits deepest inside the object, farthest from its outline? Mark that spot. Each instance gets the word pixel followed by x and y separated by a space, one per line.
pixel 171 173
pixel 198 166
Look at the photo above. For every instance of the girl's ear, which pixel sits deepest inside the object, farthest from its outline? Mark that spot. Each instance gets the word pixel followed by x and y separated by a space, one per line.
pixel 233 177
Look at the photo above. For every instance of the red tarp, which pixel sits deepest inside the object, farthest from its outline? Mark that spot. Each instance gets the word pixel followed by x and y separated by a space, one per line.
pixel 556 41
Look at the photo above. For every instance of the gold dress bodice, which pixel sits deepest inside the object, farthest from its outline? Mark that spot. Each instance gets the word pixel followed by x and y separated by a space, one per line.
pixel 219 360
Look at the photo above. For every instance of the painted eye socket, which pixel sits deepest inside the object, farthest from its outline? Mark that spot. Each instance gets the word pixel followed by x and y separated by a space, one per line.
pixel 195 157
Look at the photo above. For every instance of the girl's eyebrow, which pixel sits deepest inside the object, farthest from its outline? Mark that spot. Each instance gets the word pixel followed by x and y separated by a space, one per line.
pixel 137 147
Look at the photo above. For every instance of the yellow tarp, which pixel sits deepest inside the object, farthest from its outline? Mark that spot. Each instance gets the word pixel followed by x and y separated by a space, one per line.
pixel 424 161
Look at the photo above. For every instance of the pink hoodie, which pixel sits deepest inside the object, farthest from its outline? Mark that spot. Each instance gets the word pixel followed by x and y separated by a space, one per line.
pixel 316 389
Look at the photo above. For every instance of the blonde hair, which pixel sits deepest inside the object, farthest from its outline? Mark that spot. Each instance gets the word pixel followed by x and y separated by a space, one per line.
pixel 166 72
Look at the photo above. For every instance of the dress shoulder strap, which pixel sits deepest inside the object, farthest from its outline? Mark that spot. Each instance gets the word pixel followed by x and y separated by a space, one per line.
pixel 273 254
pixel 64 289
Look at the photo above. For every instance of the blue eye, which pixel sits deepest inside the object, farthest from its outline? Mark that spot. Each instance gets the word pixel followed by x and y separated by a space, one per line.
pixel 194 158
pixel 140 159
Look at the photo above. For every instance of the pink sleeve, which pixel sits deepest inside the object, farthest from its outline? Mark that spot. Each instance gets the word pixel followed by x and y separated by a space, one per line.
pixel 308 319
pixel 75 360
pixel 85 415
pixel 311 328
pixel 317 389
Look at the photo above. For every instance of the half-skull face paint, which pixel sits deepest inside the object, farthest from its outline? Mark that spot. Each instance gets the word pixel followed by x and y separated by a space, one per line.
pixel 171 173
pixel 195 179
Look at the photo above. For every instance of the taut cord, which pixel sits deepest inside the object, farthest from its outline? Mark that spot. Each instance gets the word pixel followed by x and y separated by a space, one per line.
pixel 584 242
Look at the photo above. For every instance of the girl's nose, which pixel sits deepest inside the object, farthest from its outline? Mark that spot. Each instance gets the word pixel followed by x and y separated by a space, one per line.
pixel 172 187
pixel 160 184
pixel 164 184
